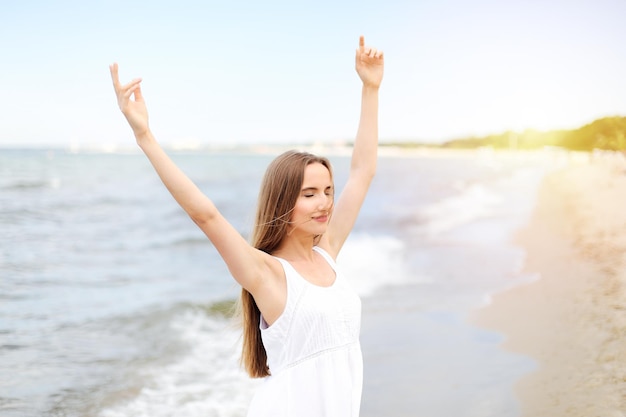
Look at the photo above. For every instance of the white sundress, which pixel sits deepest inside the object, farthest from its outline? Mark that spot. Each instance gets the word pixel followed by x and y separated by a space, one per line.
pixel 313 351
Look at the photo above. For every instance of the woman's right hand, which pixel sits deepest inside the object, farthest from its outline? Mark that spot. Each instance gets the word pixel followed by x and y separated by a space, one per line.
pixel 135 110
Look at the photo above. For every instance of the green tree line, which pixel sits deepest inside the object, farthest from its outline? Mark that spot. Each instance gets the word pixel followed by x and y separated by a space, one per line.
pixel 608 133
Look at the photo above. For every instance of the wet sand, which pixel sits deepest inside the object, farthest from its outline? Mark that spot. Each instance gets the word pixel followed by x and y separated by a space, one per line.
pixel 572 319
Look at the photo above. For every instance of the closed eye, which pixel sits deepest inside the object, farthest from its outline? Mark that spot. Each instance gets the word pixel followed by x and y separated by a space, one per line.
pixel 310 192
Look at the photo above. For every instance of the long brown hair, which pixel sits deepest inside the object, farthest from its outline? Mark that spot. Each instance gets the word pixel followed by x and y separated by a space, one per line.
pixel 279 191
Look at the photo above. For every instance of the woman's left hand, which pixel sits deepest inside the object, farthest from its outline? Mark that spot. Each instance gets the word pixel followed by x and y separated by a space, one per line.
pixel 370 64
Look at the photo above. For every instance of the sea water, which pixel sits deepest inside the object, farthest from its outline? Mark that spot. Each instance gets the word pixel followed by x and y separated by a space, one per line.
pixel 113 303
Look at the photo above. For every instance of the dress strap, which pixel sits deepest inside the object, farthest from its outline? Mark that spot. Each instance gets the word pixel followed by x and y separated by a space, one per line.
pixel 287 268
pixel 326 256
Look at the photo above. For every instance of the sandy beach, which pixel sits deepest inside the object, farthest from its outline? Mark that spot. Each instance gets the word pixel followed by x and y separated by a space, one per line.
pixel 572 319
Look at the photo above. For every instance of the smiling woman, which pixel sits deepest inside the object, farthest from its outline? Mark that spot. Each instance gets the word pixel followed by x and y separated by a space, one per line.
pixel 301 321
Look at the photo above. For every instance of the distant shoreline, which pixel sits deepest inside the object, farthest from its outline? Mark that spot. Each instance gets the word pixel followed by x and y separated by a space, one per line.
pixel 608 133
pixel 384 150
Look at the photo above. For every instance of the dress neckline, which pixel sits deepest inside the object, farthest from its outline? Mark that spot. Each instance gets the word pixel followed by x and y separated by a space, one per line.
pixel 326 258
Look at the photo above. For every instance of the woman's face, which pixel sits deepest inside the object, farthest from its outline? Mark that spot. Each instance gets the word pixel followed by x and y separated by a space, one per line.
pixel 315 202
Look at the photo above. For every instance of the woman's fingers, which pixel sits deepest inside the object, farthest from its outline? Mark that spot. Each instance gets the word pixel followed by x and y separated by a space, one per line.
pixel 138 95
pixel 372 53
pixel 127 90
pixel 368 52
pixel 113 68
pixel 375 53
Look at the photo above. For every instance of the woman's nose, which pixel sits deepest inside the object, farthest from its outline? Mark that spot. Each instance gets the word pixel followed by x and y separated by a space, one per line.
pixel 325 203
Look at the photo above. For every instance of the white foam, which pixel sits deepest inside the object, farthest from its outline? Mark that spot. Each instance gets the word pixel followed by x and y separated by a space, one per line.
pixel 509 199
pixel 474 202
pixel 370 262
pixel 207 381
pixel 483 217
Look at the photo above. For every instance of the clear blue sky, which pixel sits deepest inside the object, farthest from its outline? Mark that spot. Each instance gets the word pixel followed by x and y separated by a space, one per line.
pixel 283 71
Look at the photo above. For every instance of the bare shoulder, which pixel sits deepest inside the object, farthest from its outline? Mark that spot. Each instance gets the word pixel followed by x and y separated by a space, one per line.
pixel 270 271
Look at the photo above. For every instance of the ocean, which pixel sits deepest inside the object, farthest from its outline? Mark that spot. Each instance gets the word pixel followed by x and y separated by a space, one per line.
pixel 113 303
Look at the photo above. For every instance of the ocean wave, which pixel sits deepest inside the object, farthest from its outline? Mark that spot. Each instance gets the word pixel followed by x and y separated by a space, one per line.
pixel 474 202
pixel 370 262
pixel 10 347
pixel 506 198
pixel 137 361
pixel 206 380
pixel 50 183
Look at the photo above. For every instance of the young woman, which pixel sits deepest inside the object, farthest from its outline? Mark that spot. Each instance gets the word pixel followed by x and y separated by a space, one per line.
pixel 300 321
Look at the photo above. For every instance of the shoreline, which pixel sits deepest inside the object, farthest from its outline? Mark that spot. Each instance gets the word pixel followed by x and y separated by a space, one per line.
pixel 572 320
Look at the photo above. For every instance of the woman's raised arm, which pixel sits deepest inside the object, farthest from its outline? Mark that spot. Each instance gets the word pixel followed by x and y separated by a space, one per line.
pixel 247 264
pixel 369 65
